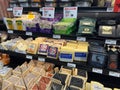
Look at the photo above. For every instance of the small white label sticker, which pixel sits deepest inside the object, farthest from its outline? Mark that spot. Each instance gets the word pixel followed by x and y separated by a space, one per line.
pixel 70 12
pixel 71 65
pixel 110 9
pixel 115 74
pixel 29 57
pixel 96 70
pixel 29 33
pixel 10 31
pixel 17 11
pixel 81 39
pixel 41 59
pixel 9 9
pixel 48 12
pixel 57 36
pixel 109 41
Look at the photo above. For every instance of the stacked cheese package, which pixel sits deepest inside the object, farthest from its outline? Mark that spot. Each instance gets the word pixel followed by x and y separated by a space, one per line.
pixel 69 79
pixel 34 75
pixel 74 51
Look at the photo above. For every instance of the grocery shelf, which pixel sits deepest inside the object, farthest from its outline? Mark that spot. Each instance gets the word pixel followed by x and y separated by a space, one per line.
pixel 80 65
pixel 73 36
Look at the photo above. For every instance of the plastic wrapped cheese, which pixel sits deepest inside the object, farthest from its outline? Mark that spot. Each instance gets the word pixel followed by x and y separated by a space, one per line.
pixel 88 86
pixel 66 54
pixel 105 88
pixel 96 86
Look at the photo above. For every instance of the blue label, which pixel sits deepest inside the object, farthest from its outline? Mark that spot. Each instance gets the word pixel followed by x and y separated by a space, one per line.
pixel 78 54
pixel 67 56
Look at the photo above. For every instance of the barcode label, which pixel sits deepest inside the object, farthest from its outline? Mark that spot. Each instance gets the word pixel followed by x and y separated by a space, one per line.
pixel 96 70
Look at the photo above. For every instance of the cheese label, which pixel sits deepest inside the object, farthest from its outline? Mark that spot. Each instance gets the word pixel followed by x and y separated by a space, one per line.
pixel 80 56
pixel 66 57
pixel 43 48
pixel 31 48
pixel 52 51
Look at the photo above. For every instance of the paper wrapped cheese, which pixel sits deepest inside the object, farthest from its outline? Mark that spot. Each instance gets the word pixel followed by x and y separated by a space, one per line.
pixel 96 86
pixel 5 72
pixel 5 84
pixel 66 54
pixel 19 85
pixel 32 47
pixel 17 71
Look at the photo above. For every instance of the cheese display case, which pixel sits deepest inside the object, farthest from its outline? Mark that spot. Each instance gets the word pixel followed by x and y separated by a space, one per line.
pixel 89 44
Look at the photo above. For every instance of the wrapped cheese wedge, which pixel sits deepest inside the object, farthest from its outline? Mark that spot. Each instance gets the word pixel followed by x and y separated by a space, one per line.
pixel 60 78
pixel 13 79
pixel 19 85
pixel 32 47
pixel 5 84
pixel 88 86
pixel 31 65
pixel 17 71
pixel 105 88
pixel 96 86
pixel 77 82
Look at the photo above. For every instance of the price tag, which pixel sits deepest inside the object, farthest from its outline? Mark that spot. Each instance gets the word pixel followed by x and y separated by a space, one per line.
pixel 96 70
pixel 29 33
pixel 9 9
pixel 108 41
pixel 29 57
pixel 48 12
pixel 81 39
pixel 10 31
pixel 110 9
pixel 57 36
pixel 70 12
pixel 64 0
pixel 115 74
pixel 71 65
pixel 17 11
pixel 41 59
pixel 49 0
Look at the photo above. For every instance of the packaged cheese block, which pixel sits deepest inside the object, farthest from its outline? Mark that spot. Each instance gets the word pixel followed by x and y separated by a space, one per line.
pixel 34 87
pixel 45 80
pixel 43 48
pixel 116 89
pixel 72 44
pixel 96 86
pixel 5 84
pixel 17 71
pixel 65 71
pixel 19 85
pixel 19 24
pixel 13 79
pixel 60 78
pixel 36 70
pixel 40 39
pixel 29 80
pixel 56 86
pixel 70 88
pixel 32 47
pixel 53 51
pixel 5 73
pixel 77 82
pixel 31 65
pixel 81 53
pixel 9 22
pixel 49 66
pixel 88 86
pixel 60 42
pixel 42 86
pixel 80 73
pixel 11 87
pixel 66 54
pixel 105 88
pixel 49 75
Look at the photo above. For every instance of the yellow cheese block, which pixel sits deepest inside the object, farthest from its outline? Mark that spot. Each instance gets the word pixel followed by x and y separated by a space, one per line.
pixel 32 47
pixel 88 86
pixel 96 86
pixel 105 88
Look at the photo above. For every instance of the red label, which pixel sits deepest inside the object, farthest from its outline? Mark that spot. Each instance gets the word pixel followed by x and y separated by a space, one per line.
pixel 70 8
pixel 117 6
